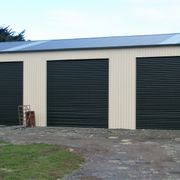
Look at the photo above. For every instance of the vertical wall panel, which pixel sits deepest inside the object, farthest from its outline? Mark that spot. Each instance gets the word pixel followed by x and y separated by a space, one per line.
pixel 35 88
pixel 121 94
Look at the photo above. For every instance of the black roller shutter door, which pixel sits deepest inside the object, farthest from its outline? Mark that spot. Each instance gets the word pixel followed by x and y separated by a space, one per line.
pixel 78 93
pixel 11 91
pixel 158 93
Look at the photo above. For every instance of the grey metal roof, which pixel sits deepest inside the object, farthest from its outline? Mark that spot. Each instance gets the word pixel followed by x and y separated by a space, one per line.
pixel 92 43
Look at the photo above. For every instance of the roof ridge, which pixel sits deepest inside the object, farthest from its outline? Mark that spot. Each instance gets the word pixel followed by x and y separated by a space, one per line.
pixel 116 36
pixel 111 36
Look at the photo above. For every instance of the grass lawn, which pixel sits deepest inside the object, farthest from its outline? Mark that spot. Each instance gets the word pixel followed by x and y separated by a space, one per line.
pixel 36 161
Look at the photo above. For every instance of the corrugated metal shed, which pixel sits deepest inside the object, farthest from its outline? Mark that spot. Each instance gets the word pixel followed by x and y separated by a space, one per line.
pixel 92 43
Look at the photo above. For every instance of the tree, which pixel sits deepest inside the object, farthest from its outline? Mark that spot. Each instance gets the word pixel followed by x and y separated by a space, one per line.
pixel 7 34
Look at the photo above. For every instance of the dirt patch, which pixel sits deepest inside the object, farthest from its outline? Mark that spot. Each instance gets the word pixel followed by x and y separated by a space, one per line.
pixel 111 154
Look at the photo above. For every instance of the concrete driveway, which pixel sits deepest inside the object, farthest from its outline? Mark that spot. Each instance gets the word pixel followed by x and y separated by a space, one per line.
pixel 111 154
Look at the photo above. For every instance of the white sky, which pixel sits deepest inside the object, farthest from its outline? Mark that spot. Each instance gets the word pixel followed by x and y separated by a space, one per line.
pixel 56 19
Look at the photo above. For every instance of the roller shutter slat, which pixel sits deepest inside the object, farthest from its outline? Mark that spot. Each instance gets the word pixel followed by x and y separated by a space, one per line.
pixel 158 93
pixel 78 93
pixel 11 91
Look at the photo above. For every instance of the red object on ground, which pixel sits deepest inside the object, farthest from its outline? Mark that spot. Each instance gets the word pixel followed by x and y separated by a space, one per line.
pixel 30 119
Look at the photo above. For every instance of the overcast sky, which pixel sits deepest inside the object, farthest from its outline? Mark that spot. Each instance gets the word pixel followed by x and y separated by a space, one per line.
pixel 57 19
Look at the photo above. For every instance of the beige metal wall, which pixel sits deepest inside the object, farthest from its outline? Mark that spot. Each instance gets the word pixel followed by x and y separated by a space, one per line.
pixel 122 79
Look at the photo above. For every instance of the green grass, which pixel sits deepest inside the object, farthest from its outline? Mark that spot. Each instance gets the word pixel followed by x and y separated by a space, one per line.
pixel 36 161
pixel 3 142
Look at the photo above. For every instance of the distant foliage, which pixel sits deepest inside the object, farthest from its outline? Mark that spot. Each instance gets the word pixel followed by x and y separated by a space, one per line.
pixel 7 34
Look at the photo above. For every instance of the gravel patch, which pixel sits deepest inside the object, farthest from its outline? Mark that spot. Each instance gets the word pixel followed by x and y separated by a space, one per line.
pixel 110 154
